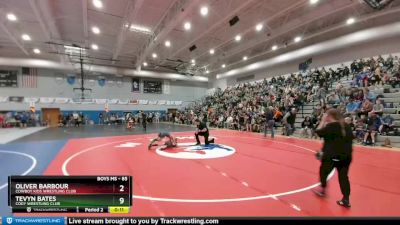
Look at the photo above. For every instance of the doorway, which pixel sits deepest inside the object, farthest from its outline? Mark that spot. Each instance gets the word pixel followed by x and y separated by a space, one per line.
pixel 173 113
pixel 51 115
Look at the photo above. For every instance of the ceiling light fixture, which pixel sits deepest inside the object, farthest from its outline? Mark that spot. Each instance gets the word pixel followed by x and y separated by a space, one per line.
pixel 95 47
pixel 11 17
pixel 154 55
pixel 312 2
pixel 297 39
pixel 212 51
pixel 275 47
pixel 187 26
pixel 350 20
pixel 98 3
pixel 140 29
pixel 96 30
pixel 204 11
pixel 207 71
pixel 26 37
pixel 167 43
pixel 238 38
pixel 144 63
pixel 244 58
pixel 259 27
pixel 36 51
pixel 223 65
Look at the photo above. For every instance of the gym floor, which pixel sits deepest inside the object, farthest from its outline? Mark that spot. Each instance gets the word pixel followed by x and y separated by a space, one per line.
pixel 243 174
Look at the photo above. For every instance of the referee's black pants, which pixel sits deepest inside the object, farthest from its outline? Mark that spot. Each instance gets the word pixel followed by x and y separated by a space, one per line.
pixel 342 166
pixel 205 134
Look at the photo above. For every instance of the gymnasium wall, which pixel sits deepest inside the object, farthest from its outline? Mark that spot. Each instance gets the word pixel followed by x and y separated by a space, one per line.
pixel 48 86
pixel 374 48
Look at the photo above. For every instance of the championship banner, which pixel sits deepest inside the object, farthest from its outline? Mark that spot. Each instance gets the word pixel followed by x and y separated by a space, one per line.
pixel 17 99
pixel 101 101
pixel 91 83
pixel 133 102
pixel 46 100
pixel 102 81
pixel 153 102
pixel 120 83
pixel 110 83
pixel 3 99
pixel 161 102
pixel 113 101
pixel 136 85
pixel 178 102
pixel 61 100
pixel 143 102
pixel 31 99
pixel 75 101
pixel 166 87
pixel 87 101
pixel 71 79
pixel 123 102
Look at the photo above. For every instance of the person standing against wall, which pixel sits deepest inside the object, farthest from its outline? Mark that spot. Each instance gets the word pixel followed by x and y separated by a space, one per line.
pixel 269 121
pixel 144 120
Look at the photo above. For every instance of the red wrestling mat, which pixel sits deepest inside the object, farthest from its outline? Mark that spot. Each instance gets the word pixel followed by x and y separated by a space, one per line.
pixel 244 174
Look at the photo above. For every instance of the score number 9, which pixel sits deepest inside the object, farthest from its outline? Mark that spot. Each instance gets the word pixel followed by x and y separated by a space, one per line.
pixel 121 189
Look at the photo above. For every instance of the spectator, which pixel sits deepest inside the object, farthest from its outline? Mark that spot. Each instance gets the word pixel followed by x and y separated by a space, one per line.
pixel 307 128
pixel 373 124
pixel 289 121
pixel 360 129
pixel 387 124
pixel 24 120
pixel 378 108
pixel 366 107
pixel 269 121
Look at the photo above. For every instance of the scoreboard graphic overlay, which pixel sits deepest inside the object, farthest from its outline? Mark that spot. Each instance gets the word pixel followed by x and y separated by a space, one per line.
pixel 74 194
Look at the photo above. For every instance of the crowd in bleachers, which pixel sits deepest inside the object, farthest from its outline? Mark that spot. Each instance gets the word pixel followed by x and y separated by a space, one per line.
pixel 21 119
pixel 108 118
pixel 24 119
pixel 260 106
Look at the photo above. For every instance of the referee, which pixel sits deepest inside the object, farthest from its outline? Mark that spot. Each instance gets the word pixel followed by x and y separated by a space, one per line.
pixel 336 153
pixel 202 130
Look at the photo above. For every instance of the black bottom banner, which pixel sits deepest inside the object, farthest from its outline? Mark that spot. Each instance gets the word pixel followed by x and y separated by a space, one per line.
pixel 230 220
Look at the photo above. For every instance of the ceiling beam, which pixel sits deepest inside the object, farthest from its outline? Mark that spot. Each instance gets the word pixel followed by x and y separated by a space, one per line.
pixel 265 23
pixel 11 36
pixel 214 26
pixel 130 15
pixel 49 29
pixel 281 31
pixel 48 64
pixel 172 18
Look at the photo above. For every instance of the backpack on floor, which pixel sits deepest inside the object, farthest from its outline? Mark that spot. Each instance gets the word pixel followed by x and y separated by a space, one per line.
pixel 387 143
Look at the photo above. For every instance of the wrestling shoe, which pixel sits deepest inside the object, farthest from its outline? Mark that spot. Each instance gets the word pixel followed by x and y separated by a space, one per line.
pixel 344 203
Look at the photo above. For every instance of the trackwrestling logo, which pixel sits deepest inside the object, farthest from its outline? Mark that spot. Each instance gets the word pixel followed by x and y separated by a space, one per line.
pixel 192 151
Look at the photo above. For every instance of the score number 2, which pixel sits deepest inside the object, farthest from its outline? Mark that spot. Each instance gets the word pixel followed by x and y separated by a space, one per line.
pixel 121 189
